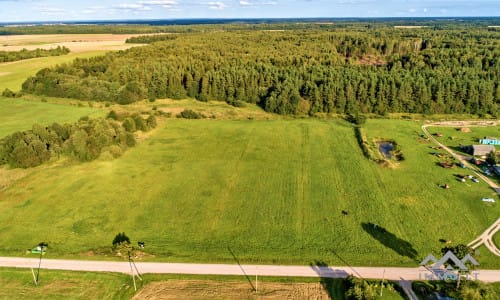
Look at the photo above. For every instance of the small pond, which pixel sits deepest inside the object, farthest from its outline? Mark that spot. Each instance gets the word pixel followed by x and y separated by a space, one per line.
pixel 385 148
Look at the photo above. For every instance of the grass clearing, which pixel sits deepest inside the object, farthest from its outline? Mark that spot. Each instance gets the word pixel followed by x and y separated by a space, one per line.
pixel 18 284
pixel 17 114
pixel 259 191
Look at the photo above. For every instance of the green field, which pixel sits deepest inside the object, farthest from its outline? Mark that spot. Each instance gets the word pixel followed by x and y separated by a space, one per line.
pixel 17 114
pixel 18 284
pixel 13 74
pixel 256 191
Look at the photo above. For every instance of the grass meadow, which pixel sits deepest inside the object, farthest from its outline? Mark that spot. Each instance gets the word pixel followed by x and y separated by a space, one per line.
pixel 271 191
pixel 17 114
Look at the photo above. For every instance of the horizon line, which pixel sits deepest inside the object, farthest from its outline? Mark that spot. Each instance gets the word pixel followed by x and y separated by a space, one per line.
pixel 62 22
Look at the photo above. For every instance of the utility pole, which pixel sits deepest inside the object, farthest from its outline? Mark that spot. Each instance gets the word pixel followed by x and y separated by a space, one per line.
pixel 40 247
pixel 256 281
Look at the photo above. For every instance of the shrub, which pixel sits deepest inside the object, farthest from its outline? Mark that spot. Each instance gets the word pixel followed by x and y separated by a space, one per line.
pixel 112 115
pixel 140 124
pixel 120 238
pixel 8 93
pixel 190 114
pixel 129 125
pixel 151 122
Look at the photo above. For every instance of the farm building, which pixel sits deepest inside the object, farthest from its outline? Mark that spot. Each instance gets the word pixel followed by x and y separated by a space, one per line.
pixel 489 141
pixel 481 150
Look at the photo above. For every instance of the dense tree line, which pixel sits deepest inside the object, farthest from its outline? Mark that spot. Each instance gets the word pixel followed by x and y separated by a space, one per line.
pixel 341 70
pixel 7 56
pixel 148 39
pixel 85 140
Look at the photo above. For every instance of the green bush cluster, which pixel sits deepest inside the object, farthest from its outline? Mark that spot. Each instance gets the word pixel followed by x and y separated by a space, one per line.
pixel 190 114
pixel 148 39
pixel 360 289
pixel 7 56
pixel 85 140
pixel 134 122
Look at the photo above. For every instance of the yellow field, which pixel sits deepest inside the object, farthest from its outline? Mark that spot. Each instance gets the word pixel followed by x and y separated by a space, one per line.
pixel 75 42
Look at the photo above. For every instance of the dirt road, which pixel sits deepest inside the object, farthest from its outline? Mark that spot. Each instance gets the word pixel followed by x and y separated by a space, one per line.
pixel 391 273
pixel 487 238
pixel 460 158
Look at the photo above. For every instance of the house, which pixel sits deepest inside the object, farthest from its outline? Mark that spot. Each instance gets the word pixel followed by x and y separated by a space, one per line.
pixel 489 141
pixel 481 150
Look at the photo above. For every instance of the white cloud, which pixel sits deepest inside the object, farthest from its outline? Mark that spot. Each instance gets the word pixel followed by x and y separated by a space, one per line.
pixel 131 6
pixel 162 3
pixel 256 3
pixel 217 5
pixel 51 11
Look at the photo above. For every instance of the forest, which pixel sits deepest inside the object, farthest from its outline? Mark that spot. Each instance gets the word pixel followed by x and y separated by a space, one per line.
pixel 8 56
pixel 344 69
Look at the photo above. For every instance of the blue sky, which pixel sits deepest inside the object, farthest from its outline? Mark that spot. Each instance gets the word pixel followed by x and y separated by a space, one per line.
pixel 59 10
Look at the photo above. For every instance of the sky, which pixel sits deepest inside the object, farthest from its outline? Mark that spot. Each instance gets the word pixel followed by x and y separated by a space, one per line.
pixel 68 10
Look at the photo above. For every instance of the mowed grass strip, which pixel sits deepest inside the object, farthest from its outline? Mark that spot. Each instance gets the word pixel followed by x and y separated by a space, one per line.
pixel 17 114
pixel 253 191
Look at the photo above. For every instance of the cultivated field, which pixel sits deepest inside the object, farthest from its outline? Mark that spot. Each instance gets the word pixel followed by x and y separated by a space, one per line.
pixel 276 191
pixel 75 42
pixel 13 74
pixel 18 284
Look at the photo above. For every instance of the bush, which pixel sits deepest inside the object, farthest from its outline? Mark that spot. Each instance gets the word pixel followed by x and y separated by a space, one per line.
pixel 112 115
pixel 140 124
pixel 129 125
pixel 190 114
pixel 151 122
pixel 121 238
pixel 8 93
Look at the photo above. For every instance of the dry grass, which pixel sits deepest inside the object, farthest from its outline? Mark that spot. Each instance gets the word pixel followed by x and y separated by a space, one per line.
pixel 212 289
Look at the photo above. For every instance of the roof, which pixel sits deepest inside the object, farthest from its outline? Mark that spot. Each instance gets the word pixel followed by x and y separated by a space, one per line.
pixel 482 149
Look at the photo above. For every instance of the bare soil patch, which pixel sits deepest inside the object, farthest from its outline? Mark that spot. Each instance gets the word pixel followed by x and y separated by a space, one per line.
pixel 371 60
pixel 4 73
pixel 212 289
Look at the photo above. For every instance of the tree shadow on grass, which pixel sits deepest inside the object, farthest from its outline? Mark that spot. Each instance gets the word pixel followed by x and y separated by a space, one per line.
pixel 390 240
pixel 332 280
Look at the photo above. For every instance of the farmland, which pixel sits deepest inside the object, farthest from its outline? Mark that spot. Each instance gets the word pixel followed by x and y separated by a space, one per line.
pixel 63 285
pixel 13 74
pixel 257 191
